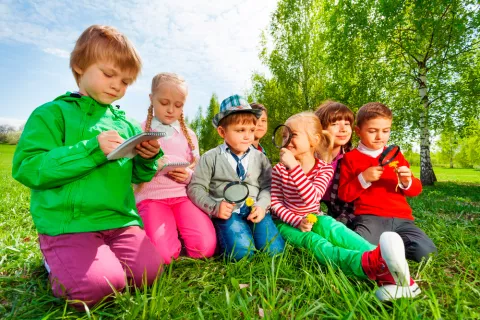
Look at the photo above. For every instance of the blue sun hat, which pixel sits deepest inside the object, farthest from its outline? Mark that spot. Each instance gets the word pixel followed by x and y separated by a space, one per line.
pixel 234 104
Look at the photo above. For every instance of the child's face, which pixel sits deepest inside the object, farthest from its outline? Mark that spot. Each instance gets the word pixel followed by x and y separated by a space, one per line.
pixel 374 133
pixel 341 132
pixel 168 100
pixel 239 137
pixel 300 143
pixel 104 82
pixel 262 126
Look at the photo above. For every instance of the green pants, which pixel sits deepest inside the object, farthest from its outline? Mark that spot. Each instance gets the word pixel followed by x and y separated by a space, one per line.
pixel 330 241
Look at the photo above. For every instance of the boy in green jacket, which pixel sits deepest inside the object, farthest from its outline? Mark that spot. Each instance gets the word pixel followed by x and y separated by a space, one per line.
pixel 83 204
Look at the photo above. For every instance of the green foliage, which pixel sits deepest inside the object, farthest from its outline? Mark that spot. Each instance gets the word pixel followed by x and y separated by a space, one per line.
pixel 412 157
pixel 421 58
pixel 196 123
pixel 469 154
pixel 208 137
pixel 448 142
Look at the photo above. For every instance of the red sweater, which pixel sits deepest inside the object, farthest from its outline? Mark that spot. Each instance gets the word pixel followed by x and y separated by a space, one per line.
pixel 295 194
pixel 380 198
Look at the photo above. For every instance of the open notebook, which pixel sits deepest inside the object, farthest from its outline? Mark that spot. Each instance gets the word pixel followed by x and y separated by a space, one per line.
pixel 127 148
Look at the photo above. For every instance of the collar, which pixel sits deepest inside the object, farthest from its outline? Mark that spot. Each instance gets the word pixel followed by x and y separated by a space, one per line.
pixel 224 148
pixel 89 105
pixel 369 152
pixel 158 126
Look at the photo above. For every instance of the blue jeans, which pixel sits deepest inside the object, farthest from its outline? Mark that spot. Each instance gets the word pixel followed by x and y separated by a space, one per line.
pixel 239 237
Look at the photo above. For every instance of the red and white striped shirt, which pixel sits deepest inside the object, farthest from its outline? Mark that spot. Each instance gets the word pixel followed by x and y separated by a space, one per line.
pixel 296 194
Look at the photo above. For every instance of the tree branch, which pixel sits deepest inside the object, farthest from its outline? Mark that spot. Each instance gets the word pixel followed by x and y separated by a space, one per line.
pixel 405 50
pixel 468 48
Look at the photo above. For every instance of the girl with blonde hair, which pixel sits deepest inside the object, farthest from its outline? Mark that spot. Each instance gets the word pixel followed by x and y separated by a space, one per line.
pixel 166 211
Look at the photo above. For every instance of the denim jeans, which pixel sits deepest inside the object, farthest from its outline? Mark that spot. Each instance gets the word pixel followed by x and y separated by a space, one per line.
pixel 239 237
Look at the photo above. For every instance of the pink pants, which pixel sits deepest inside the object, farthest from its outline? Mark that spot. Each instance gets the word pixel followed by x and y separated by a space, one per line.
pixel 166 219
pixel 84 265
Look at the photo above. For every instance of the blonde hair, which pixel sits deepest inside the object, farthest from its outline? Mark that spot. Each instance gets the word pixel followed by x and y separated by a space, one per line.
pixel 172 78
pixel 313 127
pixel 104 43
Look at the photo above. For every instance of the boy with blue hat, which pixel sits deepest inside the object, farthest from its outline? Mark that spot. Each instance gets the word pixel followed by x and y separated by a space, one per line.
pixel 239 229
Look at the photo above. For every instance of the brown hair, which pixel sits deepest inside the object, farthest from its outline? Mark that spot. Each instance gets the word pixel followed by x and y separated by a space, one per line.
pixel 238 118
pixel 372 110
pixel 104 43
pixel 331 111
pixel 258 106
pixel 312 125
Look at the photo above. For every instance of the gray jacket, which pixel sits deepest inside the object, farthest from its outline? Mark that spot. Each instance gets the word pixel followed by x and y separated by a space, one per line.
pixel 213 172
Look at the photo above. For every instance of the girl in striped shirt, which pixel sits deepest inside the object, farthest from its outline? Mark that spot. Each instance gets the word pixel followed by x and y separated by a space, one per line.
pixel 299 182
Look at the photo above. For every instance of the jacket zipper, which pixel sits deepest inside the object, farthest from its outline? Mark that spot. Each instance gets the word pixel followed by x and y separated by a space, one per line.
pixel 72 195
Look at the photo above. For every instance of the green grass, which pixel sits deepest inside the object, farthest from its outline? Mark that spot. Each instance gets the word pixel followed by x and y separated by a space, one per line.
pixel 292 285
pixel 454 175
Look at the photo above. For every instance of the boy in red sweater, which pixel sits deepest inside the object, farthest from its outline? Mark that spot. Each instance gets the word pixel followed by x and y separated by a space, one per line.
pixel 379 192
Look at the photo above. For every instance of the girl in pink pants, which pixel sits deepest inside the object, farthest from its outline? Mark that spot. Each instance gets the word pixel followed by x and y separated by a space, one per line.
pixel 166 211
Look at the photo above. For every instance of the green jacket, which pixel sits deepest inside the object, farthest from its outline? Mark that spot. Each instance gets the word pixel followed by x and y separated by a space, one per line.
pixel 74 187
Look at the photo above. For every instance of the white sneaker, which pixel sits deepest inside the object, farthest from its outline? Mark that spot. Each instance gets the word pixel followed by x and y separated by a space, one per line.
pixel 390 292
pixel 393 253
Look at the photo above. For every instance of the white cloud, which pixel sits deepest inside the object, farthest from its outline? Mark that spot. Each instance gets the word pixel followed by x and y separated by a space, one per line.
pixel 213 44
pixel 57 52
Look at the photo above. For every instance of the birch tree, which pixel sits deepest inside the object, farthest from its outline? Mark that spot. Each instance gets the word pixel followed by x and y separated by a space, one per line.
pixel 429 46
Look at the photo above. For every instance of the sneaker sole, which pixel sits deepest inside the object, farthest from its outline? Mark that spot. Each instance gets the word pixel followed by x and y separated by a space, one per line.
pixel 393 252
pixel 391 292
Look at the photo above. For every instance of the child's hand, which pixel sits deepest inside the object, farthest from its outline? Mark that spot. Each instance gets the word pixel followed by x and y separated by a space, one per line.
pixel 225 210
pixel 108 141
pixel 287 158
pixel 178 174
pixel 256 215
pixel 148 149
pixel 305 226
pixel 372 174
pixel 404 175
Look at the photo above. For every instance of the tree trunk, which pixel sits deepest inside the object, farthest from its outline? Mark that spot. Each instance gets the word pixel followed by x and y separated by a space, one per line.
pixel 427 176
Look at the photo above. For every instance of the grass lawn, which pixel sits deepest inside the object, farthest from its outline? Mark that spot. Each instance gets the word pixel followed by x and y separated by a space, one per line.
pixel 292 285
pixel 453 175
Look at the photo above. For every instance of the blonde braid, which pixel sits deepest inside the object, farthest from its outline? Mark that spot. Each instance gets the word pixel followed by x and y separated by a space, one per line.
pixel 189 139
pixel 148 127
pixel 148 124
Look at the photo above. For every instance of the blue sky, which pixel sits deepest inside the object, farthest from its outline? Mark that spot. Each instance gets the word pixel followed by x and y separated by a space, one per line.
pixel 214 45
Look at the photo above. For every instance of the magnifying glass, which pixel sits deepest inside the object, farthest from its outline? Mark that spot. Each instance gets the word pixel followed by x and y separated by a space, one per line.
pixel 282 136
pixel 388 155
pixel 236 192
